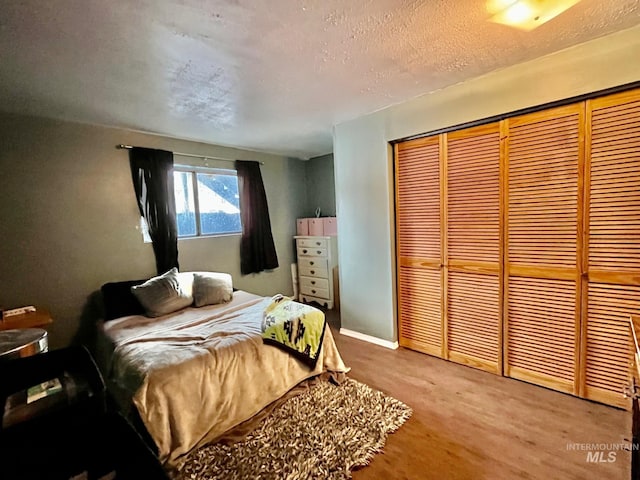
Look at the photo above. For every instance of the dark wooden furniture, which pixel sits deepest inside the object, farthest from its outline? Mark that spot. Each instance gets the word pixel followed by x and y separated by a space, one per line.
pixel 70 432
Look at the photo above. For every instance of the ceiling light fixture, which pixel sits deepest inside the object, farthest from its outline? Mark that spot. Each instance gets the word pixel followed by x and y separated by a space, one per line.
pixel 526 14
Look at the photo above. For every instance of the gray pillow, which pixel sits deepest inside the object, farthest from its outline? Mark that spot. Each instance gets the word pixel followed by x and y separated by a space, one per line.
pixel 211 288
pixel 167 293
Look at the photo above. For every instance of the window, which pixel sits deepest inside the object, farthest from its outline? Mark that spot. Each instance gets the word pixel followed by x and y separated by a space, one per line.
pixel 207 201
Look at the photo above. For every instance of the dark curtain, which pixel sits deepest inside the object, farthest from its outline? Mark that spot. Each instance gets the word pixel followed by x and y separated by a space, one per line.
pixel 152 174
pixel 257 251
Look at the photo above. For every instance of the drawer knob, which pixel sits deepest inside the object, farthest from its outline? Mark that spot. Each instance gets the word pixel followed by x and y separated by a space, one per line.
pixel 313 291
pixel 313 272
pixel 311 263
pixel 304 251
pixel 318 252
pixel 313 282
pixel 318 243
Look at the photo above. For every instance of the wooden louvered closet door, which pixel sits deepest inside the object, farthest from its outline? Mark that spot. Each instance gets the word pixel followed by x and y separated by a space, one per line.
pixel 543 247
pixel 473 253
pixel 612 204
pixel 419 245
pixel 519 245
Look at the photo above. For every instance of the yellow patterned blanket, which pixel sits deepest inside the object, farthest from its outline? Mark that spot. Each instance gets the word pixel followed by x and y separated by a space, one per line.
pixel 294 327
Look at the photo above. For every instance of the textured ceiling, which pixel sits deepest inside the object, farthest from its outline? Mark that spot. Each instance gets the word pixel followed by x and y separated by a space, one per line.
pixel 269 75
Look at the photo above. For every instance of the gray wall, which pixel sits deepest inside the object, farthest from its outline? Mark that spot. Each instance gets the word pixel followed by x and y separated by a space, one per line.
pixel 321 186
pixel 363 159
pixel 70 222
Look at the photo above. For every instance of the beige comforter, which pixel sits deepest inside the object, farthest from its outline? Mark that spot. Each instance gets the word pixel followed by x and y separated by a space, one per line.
pixel 197 373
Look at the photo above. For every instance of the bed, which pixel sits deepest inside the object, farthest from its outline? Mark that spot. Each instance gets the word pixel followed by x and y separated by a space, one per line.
pixel 196 373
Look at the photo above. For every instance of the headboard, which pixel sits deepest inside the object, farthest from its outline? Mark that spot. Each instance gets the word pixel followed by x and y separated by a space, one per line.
pixel 119 301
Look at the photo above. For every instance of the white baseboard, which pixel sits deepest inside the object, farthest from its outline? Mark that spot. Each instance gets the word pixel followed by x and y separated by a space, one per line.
pixel 369 338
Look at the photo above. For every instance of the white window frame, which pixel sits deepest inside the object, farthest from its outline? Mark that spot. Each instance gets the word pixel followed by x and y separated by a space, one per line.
pixel 194 178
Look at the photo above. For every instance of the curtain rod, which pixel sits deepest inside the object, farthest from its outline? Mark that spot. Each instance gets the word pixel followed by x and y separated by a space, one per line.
pixel 205 157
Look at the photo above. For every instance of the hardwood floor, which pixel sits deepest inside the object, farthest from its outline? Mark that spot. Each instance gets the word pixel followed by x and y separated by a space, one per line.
pixel 469 424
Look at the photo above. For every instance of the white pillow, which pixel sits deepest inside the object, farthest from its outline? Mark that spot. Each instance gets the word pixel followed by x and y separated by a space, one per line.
pixel 166 293
pixel 211 288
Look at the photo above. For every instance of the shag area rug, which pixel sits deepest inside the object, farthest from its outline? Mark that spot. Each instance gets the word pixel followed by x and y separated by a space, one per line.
pixel 322 433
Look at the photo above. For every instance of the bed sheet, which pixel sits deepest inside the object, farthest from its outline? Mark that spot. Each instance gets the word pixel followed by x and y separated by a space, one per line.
pixel 196 373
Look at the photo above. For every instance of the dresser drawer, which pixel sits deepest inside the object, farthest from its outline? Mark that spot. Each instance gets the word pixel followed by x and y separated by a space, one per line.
pixel 313 262
pixel 312 252
pixel 312 242
pixel 312 282
pixel 316 292
pixel 313 272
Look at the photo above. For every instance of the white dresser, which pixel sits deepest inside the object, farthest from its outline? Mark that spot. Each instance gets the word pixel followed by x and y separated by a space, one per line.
pixel 317 259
